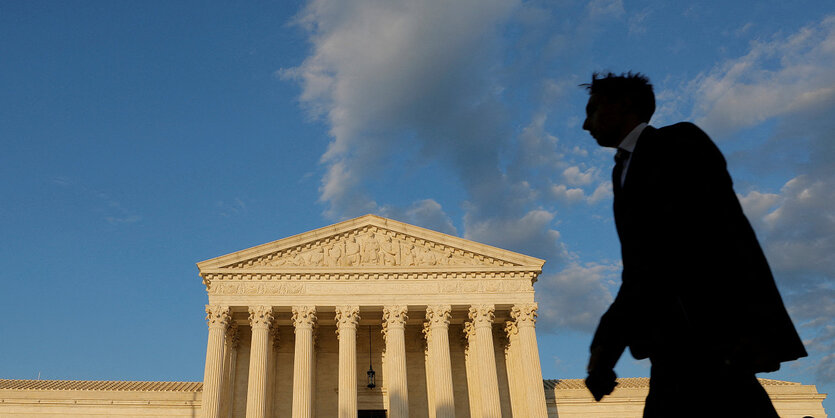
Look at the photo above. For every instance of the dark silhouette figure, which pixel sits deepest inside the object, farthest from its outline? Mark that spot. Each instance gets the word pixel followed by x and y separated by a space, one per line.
pixel 697 296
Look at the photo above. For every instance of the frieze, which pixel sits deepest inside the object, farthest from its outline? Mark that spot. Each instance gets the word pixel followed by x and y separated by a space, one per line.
pixel 371 246
pixel 290 288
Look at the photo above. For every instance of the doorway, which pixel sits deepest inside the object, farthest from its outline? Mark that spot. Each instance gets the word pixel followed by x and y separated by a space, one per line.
pixel 371 413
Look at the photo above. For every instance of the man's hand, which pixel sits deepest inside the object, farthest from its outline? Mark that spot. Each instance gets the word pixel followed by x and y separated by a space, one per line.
pixel 601 382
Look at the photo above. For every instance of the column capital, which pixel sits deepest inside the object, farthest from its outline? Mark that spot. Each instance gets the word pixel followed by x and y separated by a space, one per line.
pixel 525 314
pixel 218 316
pixel 438 315
pixel 394 316
pixel 482 315
pixel 261 316
pixel 304 317
pixel 347 316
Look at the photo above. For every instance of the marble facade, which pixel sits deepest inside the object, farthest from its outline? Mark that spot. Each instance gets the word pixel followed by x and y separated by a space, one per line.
pixel 448 323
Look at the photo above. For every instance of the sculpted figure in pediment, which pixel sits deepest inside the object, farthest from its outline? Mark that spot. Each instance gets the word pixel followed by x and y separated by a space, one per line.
pixel 297 260
pixel 333 256
pixel 352 252
pixel 427 257
pixel 391 251
pixel 370 249
pixel 444 258
pixel 407 254
pixel 317 257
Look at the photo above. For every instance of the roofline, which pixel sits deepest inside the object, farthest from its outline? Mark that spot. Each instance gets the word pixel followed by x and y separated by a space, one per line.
pixel 362 221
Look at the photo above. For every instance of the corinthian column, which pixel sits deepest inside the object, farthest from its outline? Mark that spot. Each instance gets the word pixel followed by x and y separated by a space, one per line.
pixel 347 318
pixel 394 325
pixel 525 316
pixel 472 364
pixel 231 359
pixel 260 320
pixel 438 317
pixel 430 375
pixel 304 317
pixel 515 372
pixel 482 318
pixel 218 318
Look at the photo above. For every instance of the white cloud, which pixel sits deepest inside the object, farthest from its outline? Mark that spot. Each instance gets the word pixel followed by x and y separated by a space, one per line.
pixel 600 9
pixel 382 73
pixel 603 191
pixel 426 213
pixel 339 187
pixel 787 74
pixel 638 22
pixel 424 76
pixel 531 234
pixel 576 177
pixel 579 151
pixel 537 147
pixel 800 230
pixel 231 208
pixel 575 297
pixel 756 204
pixel 563 193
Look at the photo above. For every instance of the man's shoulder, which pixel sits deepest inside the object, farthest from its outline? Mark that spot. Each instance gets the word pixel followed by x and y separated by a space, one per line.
pixel 682 135
pixel 687 141
pixel 681 130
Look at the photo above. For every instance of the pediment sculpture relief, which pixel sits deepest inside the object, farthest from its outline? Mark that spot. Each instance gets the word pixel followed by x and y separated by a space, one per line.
pixel 368 247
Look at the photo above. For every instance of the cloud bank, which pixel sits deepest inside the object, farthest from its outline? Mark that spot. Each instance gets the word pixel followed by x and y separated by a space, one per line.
pixel 385 76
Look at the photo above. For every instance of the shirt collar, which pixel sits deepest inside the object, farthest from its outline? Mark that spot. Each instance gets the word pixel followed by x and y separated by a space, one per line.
pixel 628 143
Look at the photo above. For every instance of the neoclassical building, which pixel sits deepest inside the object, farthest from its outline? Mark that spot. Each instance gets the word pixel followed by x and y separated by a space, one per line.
pixel 297 325
pixel 372 318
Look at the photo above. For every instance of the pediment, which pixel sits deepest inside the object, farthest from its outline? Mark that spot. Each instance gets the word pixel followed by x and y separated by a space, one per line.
pixel 371 242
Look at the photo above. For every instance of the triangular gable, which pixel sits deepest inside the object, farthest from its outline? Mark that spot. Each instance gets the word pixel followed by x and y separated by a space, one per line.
pixel 370 242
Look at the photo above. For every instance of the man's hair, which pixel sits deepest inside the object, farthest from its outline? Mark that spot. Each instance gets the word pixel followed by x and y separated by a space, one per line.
pixel 633 87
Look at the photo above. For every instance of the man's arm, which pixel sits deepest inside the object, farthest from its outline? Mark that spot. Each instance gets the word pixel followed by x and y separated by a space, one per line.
pixel 607 346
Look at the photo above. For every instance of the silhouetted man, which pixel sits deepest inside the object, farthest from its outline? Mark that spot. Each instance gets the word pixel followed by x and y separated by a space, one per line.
pixel 697 296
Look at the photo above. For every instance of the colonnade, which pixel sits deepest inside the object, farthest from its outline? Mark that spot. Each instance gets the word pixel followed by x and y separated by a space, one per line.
pixel 521 356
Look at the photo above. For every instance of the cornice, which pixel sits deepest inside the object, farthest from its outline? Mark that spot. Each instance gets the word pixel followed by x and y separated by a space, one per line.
pixel 383 275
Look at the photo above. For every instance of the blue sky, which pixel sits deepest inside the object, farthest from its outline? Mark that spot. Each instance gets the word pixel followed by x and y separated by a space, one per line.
pixel 140 138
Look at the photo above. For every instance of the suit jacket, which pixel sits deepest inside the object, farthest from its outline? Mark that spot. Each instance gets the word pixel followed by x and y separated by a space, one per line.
pixel 695 280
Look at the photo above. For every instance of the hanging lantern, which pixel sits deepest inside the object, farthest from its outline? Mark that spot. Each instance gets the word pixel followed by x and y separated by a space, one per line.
pixel 371 373
pixel 371 384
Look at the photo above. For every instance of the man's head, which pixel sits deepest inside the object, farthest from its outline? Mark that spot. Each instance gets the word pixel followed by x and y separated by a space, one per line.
pixel 617 103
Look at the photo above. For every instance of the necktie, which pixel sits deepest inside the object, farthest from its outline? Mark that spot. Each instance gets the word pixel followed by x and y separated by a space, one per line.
pixel 620 158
